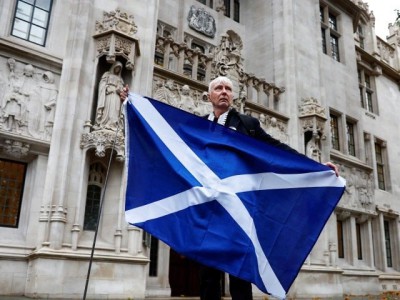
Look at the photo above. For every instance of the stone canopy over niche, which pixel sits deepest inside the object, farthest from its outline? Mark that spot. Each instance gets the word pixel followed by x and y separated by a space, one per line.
pixel 115 36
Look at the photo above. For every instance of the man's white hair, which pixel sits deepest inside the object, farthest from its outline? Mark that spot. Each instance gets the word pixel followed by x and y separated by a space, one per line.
pixel 218 80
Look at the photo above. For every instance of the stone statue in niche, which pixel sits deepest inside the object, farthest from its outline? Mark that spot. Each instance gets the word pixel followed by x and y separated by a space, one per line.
pixel 201 21
pixel 108 105
pixel 313 149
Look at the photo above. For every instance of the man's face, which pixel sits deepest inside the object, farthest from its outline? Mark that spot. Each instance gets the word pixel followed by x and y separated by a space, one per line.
pixel 221 96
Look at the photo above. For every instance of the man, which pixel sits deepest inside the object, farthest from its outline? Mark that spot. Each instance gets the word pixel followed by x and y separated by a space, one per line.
pixel 220 94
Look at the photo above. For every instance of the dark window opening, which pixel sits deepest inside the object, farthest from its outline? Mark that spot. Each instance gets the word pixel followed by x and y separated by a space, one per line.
pixel 31 20
pixel 12 179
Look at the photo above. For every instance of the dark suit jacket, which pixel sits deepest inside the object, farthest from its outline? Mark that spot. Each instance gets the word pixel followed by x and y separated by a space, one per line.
pixel 251 126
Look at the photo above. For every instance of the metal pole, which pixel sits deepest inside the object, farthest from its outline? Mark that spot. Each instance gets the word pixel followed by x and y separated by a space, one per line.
pixel 103 192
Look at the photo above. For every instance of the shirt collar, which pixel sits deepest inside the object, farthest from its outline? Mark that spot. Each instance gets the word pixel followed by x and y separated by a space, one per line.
pixel 221 119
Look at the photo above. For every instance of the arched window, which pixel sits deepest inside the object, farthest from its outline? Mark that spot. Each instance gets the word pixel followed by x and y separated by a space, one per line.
pixel 95 185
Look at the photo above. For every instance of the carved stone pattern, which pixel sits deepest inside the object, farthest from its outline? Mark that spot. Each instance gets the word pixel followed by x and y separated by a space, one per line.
pixel 183 97
pixel 275 127
pixel 16 149
pixel 58 213
pixel 311 106
pixel 115 36
pixel 359 193
pixel 116 20
pixel 103 140
pixel 103 44
pixel 386 51
pixel 122 46
pixel 201 21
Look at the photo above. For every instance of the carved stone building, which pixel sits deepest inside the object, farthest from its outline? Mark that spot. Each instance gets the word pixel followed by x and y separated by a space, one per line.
pixel 313 72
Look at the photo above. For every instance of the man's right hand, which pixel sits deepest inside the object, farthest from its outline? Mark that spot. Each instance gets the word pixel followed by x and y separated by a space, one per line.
pixel 124 93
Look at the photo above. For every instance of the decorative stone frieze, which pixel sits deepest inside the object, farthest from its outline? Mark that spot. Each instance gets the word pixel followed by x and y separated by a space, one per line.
pixel 181 96
pixel 202 21
pixel 386 51
pixel 28 98
pixel 276 127
pixel 359 192
pixel 15 148
pixel 115 36
pixel 311 107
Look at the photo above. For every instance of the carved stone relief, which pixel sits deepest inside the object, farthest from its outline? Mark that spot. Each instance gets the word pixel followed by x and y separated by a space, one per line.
pixel 182 97
pixel 275 127
pixel 201 21
pixel 28 100
pixel 359 192
pixel 16 148
pixel 386 51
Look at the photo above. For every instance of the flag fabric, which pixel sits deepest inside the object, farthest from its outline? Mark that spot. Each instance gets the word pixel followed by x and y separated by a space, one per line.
pixel 223 198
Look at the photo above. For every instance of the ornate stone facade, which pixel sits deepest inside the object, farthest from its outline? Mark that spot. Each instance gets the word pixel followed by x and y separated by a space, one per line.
pixel 59 121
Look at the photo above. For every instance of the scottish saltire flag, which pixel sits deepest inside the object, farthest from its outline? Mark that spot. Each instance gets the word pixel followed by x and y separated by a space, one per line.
pixel 223 198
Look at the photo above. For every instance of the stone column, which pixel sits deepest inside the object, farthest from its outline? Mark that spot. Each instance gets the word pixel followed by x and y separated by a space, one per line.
pixel 370 251
pixel 63 151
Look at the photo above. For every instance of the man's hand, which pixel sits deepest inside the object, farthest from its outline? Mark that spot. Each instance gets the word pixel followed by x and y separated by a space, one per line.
pixel 124 93
pixel 333 167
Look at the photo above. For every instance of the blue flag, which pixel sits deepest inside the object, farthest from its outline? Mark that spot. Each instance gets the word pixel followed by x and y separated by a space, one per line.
pixel 223 198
